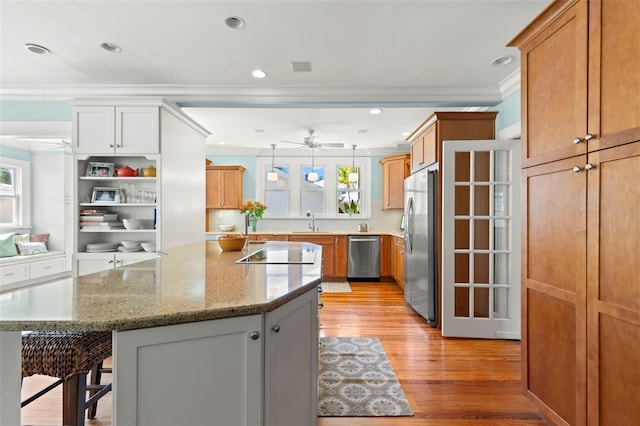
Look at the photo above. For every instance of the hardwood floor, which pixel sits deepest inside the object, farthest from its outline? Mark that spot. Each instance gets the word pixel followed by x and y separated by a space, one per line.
pixel 447 381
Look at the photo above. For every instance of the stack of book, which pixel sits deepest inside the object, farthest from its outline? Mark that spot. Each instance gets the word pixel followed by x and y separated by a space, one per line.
pixel 99 220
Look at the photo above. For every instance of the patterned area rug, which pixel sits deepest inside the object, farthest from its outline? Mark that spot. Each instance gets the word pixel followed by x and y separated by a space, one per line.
pixel 330 287
pixel 356 379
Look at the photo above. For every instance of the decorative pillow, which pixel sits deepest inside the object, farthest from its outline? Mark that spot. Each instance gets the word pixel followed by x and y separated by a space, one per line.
pixel 7 245
pixel 21 238
pixel 40 238
pixel 27 249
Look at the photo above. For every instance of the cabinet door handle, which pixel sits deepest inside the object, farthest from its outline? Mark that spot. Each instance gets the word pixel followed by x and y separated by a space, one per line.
pixel 111 145
pixel 276 328
pixel 589 166
pixel 254 335
pixel 589 136
pixel 577 140
pixel 577 169
pixel 111 261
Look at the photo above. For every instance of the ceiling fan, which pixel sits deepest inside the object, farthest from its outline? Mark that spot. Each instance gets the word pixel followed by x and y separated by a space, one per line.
pixel 312 141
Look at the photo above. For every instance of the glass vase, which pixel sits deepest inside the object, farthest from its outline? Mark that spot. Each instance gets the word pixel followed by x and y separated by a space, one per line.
pixel 252 224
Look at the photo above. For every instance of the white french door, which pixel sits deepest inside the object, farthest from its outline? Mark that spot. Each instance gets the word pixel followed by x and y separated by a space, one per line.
pixel 481 239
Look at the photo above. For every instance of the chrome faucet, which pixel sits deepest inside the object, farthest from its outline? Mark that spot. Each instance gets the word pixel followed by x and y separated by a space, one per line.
pixel 312 225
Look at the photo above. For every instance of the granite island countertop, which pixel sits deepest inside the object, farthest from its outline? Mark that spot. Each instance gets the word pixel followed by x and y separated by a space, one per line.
pixel 195 282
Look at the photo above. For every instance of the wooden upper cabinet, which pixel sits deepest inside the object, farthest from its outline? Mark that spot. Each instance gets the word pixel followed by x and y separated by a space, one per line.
pixel 580 79
pixel 554 88
pixel 426 140
pixel 224 187
pixel 614 73
pixel 394 170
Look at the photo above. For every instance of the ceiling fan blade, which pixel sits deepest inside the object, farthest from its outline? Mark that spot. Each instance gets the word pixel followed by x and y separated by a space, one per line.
pixel 331 145
pixel 297 143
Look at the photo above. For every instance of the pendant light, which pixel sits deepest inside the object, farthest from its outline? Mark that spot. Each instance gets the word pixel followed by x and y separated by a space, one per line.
pixel 272 176
pixel 353 176
pixel 312 176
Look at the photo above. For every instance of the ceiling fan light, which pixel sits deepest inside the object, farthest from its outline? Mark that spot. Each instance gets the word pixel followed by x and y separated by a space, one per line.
pixel 312 177
pixel 272 176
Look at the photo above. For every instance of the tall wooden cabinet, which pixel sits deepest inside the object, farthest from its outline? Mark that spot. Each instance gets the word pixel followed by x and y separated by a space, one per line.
pixel 581 208
pixel 394 170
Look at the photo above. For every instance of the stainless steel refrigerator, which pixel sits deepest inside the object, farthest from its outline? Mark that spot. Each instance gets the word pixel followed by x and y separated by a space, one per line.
pixel 420 252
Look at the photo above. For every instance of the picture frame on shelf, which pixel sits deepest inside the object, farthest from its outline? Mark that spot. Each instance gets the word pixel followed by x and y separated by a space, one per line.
pixel 105 195
pixel 96 169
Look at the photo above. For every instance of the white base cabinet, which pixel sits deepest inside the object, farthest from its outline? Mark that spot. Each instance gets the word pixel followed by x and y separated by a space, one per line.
pixel 233 371
pixel 291 362
pixel 90 263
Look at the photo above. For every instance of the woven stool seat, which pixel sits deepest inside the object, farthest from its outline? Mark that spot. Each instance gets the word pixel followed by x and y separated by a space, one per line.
pixel 68 356
pixel 63 353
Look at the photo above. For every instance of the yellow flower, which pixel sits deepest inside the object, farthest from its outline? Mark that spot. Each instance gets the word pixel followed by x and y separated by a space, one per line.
pixel 255 209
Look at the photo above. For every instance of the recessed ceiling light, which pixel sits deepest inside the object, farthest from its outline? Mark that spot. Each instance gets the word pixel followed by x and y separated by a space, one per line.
pixel 258 74
pixel 222 143
pixel 375 111
pixel 405 134
pixel 502 60
pixel 361 131
pixel 260 130
pixel 36 48
pixel 111 47
pixel 235 22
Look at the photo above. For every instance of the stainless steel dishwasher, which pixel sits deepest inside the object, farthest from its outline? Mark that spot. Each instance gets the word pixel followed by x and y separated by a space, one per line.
pixel 364 258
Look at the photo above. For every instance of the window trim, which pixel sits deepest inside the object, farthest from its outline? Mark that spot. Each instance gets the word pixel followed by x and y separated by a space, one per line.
pixel 331 165
pixel 23 192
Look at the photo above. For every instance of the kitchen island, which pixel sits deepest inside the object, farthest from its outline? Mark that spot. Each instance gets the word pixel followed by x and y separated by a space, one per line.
pixel 197 337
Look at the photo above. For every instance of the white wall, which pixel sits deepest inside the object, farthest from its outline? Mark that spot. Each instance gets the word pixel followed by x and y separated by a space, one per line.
pixel 183 182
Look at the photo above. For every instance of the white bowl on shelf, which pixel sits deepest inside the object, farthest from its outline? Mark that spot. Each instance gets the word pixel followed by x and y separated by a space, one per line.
pixel 226 228
pixel 133 223
pixel 149 247
pixel 130 244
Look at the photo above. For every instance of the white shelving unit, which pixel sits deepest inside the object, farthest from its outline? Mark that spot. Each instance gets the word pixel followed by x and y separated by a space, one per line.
pixel 125 207
pixel 139 133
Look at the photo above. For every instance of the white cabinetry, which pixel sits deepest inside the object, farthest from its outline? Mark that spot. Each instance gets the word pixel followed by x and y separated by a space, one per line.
pixel 90 263
pixel 138 133
pixel 138 199
pixel 26 270
pixel 119 130
pixel 201 373
pixel 291 362
pixel 215 370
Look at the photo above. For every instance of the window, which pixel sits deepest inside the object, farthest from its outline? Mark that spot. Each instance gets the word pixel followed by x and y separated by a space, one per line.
pixel 332 195
pixel 277 192
pixel 312 190
pixel 348 197
pixel 14 190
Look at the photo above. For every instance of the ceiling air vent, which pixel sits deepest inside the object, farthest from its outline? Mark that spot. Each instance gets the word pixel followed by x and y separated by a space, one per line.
pixel 300 66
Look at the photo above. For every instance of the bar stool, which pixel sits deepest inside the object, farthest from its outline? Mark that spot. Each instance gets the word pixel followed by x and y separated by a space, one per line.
pixel 69 356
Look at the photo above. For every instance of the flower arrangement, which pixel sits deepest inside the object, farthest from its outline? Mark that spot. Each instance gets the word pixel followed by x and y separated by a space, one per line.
pixel 255 209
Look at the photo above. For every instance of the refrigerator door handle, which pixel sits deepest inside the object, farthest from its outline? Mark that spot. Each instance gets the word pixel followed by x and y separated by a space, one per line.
pixel 408 233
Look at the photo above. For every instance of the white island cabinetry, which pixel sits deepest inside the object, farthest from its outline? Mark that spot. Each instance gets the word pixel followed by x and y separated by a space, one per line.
pixel 291 362
pixel 219 365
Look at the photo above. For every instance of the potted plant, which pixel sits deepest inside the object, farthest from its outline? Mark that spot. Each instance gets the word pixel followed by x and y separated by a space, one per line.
pixel 255 210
